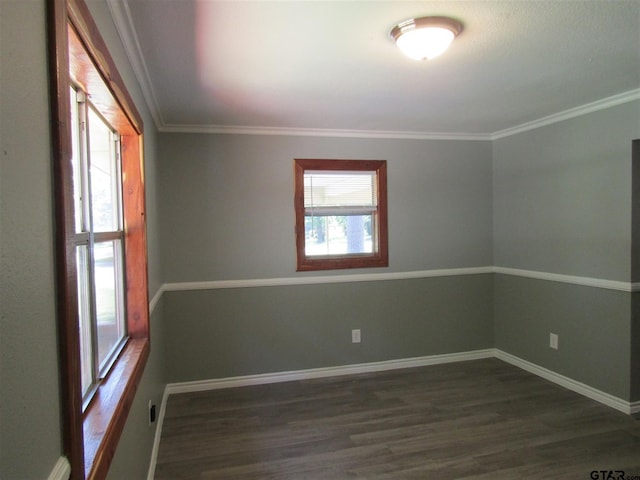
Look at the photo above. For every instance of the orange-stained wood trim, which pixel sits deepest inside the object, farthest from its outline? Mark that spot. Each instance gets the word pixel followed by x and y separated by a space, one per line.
pixel 135 239
pixel 85 74
pixel 105 419
pixel 66 288
pixel 380 258
pixel 298 202
pixel 92 42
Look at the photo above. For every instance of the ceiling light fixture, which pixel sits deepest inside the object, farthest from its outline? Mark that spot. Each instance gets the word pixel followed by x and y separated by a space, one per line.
pixel 425 37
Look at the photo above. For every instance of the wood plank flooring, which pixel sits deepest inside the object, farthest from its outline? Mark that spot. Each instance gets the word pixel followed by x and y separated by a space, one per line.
pixel 481 419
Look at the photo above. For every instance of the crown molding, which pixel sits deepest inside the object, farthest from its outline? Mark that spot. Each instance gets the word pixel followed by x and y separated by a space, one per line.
pixel 129 36
pixel 323 132
pixel 126 29
pixel 601 104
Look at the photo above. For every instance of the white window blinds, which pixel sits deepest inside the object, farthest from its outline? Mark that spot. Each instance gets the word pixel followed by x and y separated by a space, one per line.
pixel 327 193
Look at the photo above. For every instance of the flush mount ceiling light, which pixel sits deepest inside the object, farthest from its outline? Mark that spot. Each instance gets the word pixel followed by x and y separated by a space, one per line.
pixel 425 37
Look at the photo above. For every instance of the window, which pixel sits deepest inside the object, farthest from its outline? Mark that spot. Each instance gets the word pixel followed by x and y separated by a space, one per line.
pixel 98 241
pixel 341 213
pixel 101 267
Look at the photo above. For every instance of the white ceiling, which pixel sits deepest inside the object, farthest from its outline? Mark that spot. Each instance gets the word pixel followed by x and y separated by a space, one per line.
pixel 330 66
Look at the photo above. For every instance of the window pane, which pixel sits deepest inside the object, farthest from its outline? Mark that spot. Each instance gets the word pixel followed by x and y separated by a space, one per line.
pixel 105 207
pixel 323 189
pixel 76 165
pixel 84 317
pixel 338 234
pixel 109 299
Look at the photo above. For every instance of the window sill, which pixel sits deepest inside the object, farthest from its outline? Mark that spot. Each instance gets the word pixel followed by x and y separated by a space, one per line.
pixel 105 417
pixel 308 264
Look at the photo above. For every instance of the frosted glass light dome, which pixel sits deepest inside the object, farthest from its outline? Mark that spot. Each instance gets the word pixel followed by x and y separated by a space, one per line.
pixel 425 37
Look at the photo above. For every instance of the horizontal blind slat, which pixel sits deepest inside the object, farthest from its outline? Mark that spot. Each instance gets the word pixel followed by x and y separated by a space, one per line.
pixel 339 189
pixel 339 211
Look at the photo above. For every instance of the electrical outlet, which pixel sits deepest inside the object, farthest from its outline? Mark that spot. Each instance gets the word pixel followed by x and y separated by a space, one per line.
pixel 152 413
pixel 553 341
pixel 355 336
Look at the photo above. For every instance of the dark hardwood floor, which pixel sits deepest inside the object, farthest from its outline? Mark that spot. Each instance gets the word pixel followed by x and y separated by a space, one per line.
pixel 481 419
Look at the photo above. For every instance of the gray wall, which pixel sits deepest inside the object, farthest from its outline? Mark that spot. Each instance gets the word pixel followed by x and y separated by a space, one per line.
pixel 562 204
pixel 227 203
pixel 562 196
pixel 593 325
pixel 227 208
pixel 224 333
pixel 30 438
pixel 30 416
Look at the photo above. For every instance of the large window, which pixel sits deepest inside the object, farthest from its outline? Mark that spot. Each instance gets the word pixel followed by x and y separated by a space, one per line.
pixel 98 239
pixel 101 268
pixel 341 214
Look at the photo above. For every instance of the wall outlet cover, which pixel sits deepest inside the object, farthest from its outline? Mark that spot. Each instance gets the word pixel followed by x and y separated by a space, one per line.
pixel 355 336
pixel 152 413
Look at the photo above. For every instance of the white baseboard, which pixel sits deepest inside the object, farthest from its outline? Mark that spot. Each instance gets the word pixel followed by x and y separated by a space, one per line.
pixel 570 384
pixel 61 470
pixel 261 379
pixel 220 383
pixel 156 439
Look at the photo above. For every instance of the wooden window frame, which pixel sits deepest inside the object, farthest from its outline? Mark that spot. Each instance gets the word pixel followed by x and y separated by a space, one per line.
pixel 380 256
pixel 78 55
